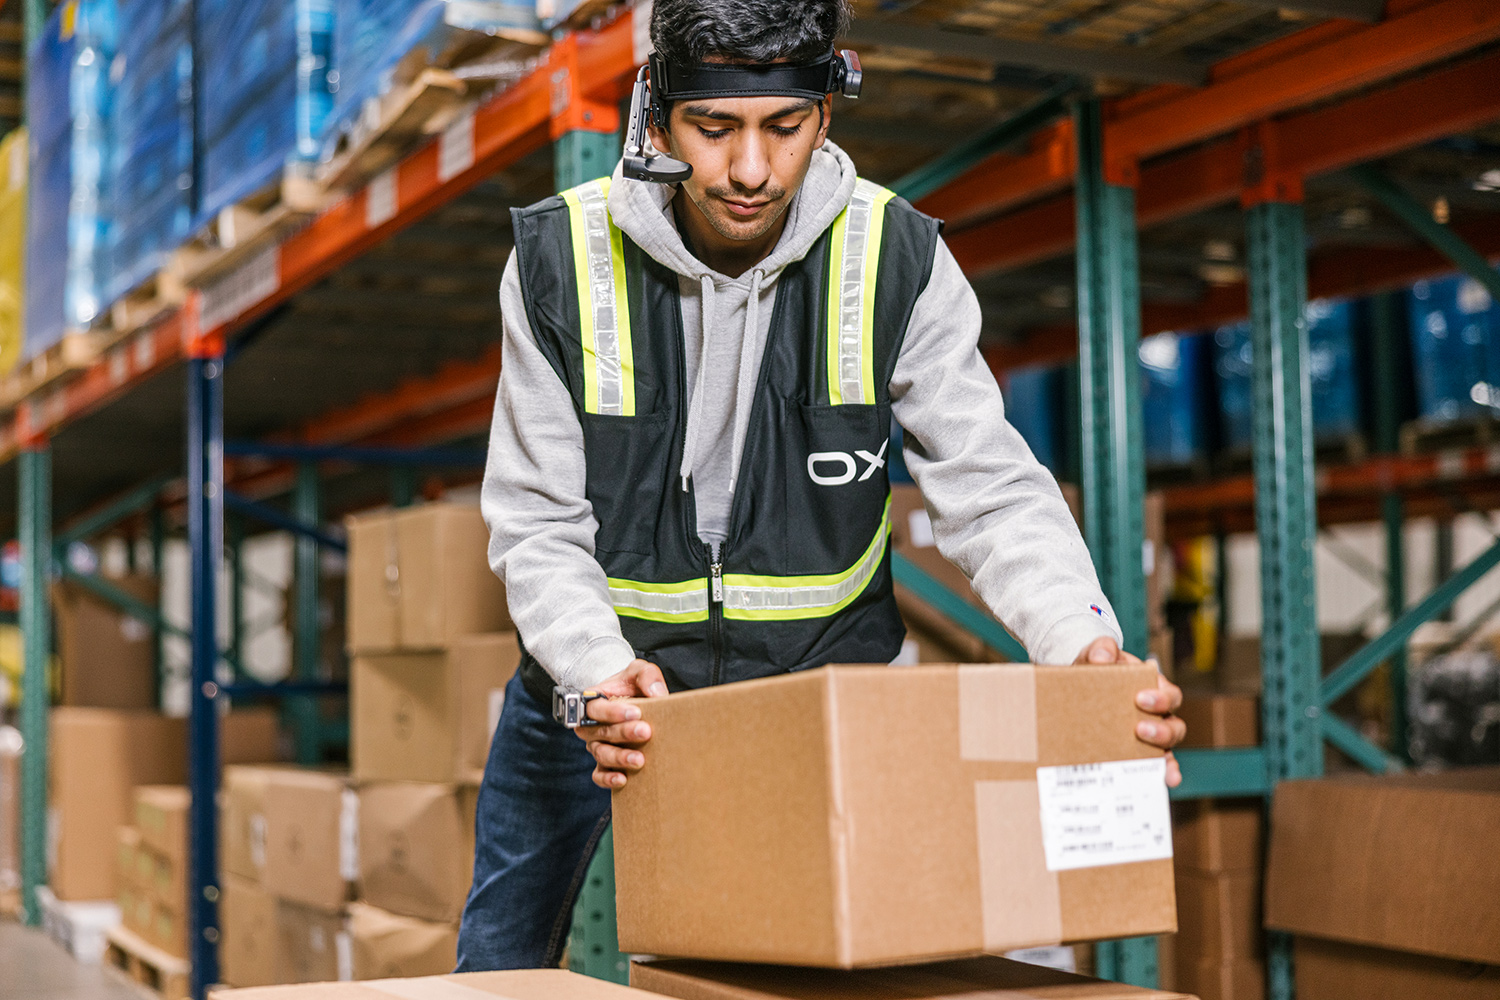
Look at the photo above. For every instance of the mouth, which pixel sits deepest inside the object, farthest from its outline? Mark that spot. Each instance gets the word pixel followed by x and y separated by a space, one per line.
pixel 745 208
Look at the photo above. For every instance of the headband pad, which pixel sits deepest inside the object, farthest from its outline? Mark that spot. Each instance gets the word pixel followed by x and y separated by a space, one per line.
pixel 676 82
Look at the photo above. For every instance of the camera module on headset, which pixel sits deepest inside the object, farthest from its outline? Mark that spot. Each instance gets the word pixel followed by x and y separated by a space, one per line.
pixel 838 72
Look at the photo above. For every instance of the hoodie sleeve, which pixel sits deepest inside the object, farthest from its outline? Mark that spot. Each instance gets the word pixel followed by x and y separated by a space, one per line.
pixel 541 524
pixel 997 513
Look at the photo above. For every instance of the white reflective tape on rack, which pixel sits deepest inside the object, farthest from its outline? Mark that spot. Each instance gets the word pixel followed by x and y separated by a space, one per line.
pixel 119 365
pixel 145 350
pixel 252 282
pixel 456 147
pixel 380 199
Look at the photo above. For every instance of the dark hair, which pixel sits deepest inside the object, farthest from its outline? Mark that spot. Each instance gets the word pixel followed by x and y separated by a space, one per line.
pixel 757 31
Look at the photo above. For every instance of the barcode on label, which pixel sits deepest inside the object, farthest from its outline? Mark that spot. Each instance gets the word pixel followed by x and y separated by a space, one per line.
pixel 1111 813
pixel 251 282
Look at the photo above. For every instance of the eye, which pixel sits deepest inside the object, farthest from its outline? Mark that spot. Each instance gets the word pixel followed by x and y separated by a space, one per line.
pixel 713 133
pixel 787 131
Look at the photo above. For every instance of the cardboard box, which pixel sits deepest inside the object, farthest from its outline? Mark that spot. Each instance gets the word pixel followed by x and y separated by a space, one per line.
pixel 1218 916
pixel 127 845
pixel 168 929
pixel 1405 862
pixel 96 758
pixel 247 923
pixel 430 716
pixel 311 827
pixel 1213 836
pixel 242 820
pixel 1330 970
pixel 420 578
pixel 10 815
pixel 521 984
pixel 107 658
pixel 416 848
pixel 313 944
pixel 1216 719
pixel 1223 979
pixel 955 779
pixel 990 977
pixel 161 816
pixel 250 736
pixel 388 946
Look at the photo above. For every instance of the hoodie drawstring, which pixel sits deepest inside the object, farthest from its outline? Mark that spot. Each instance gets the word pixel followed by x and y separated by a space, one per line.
pixel 695 409
pixel 748 376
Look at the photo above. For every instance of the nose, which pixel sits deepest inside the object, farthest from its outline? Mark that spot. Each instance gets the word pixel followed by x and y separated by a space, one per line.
pixel 750 167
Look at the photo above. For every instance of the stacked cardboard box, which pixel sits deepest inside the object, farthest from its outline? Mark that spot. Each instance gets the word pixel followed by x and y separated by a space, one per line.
pixel 1389 884
pixel 97 757
pixel 10 821
pixel 432 652
pixel 964 785
pixel 107 658
pixel 1218 951
pixel 152 861
pixel 991 978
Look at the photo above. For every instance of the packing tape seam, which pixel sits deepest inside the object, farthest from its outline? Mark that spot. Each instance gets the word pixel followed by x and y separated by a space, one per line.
pixel 997 718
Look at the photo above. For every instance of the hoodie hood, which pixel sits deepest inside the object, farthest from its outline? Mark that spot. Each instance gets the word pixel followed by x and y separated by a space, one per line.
pixel 643 212
pixel 727 354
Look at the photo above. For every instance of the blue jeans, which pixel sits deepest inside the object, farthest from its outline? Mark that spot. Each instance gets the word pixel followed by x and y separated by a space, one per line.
pixel 539 818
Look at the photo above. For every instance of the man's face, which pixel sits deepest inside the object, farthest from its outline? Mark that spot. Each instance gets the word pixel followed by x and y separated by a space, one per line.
pixel 749 156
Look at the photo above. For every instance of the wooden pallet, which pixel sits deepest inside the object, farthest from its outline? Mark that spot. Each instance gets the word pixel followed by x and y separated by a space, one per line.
pixel 158 295
pixel 146 965
pixel 244 229
pixel 77 350
pixel 1423 437
pixel 391 124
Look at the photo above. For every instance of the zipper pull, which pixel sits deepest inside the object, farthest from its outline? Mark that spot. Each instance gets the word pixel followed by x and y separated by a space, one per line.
pixel 716 582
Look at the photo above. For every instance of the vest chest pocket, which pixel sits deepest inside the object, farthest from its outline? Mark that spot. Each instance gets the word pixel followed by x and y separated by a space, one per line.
pixel 625 458
pixel 836 482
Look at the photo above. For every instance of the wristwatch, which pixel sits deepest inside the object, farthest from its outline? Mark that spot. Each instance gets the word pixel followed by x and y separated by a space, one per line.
pixel 570 708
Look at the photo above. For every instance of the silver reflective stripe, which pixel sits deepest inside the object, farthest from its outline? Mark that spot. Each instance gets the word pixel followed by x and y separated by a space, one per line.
pixel 653 602
pixel 794 598
pixel 593 200
pixel 851 331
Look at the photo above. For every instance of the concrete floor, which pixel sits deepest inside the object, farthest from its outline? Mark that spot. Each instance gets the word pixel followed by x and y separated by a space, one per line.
pixel 33 968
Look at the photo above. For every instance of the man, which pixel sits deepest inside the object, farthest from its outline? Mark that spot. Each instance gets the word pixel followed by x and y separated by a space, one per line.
pixel 686 481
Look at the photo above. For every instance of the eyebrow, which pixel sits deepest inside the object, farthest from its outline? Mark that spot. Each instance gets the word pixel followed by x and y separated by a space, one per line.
pixel 705 111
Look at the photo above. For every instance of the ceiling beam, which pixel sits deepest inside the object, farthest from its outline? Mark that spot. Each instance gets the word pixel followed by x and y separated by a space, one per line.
pixel 1368 11
pixel 1370 126
pixel 1166 119
pixel 1048 56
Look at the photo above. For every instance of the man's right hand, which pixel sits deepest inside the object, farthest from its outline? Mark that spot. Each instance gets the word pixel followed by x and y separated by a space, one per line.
pixel 616 745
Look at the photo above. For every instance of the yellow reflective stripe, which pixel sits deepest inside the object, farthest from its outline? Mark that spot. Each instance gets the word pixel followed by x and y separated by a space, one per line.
pixel 660 602
pixel 788 598
pixel 853 272
pixel 835 303
pixel 603 305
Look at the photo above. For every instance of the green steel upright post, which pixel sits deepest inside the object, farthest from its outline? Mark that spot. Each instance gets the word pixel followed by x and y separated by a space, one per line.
pixel 580 156
pixel 1112 459
pixel 307 645
pixel 35 516
pixel 1388 332
pixel 36 20
pixel 1285 509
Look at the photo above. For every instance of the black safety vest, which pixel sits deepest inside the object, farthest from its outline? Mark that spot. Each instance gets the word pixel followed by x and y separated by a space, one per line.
pixel 803 577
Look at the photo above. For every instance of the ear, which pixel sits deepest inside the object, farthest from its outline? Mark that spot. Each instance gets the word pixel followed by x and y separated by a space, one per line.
pixel 661 138
pixel 827 117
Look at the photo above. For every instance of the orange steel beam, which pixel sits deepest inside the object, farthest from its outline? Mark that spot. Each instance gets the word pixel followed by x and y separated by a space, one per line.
pixel 1340 274
pixel 501 131
pixel 1312 66
pixel 1407 114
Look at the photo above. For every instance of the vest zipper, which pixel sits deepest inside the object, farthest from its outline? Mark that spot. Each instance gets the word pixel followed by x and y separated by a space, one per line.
pixel 715 611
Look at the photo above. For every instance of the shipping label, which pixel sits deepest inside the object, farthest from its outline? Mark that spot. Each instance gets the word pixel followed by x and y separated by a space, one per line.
pixel 1112 813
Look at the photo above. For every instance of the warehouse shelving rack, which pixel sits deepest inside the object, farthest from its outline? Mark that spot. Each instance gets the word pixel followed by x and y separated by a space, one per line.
pixel 1329 97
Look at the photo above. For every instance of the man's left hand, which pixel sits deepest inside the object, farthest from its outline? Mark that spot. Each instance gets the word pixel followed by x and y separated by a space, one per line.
pixel 1162 700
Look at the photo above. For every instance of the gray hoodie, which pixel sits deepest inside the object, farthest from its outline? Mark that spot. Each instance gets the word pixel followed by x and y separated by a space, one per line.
pixel 996 511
